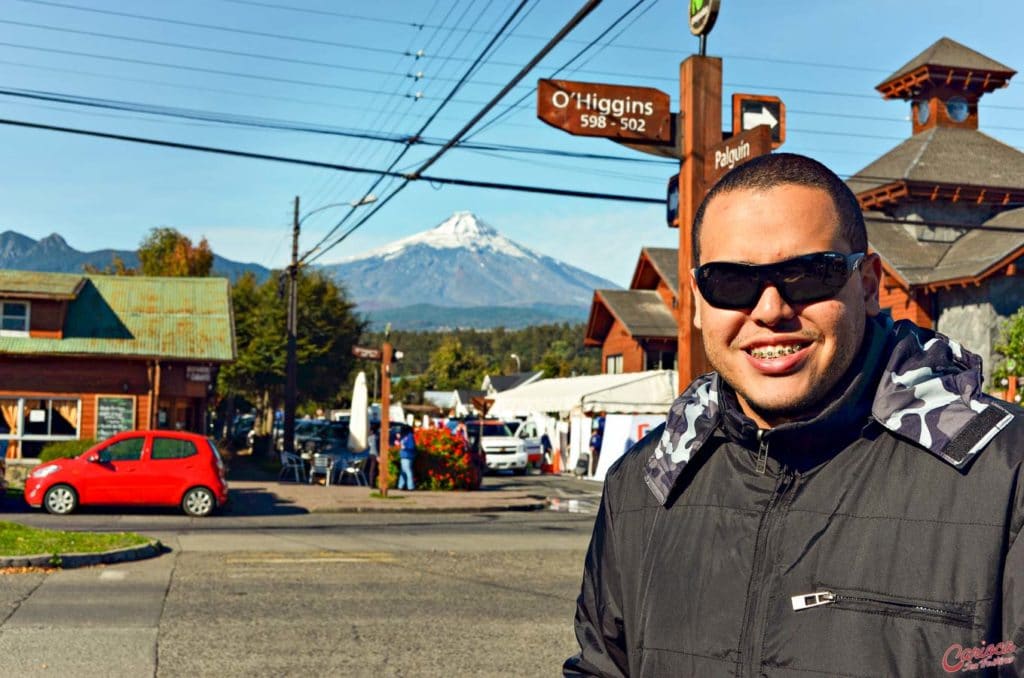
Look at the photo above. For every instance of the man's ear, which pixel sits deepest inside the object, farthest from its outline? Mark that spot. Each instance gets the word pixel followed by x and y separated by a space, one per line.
pixel 696 301
pixel 871 283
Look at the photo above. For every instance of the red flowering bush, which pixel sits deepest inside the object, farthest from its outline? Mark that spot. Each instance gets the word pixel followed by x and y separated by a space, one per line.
pixel 443 462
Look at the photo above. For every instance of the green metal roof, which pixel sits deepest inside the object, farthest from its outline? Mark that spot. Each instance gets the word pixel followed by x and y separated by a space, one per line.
pixel 179 318
pixel 36 285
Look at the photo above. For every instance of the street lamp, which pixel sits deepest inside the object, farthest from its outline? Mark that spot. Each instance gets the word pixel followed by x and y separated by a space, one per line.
pixel 513 355
pixel 290 385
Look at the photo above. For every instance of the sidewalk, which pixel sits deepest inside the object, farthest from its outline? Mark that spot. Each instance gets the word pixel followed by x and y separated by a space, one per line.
pixel 250 484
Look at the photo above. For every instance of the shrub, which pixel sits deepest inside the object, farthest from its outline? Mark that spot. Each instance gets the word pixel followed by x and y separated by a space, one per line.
pixel 65 449
pixel 443 462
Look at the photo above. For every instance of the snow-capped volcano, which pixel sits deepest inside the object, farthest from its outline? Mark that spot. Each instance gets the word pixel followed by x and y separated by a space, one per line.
pixel 461 231
pixel 463 262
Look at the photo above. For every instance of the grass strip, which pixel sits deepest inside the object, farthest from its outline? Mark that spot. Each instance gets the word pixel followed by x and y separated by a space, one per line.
pixel 21 540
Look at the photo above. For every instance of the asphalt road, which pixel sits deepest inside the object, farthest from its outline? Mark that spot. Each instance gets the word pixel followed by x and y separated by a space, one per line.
pixel 282 595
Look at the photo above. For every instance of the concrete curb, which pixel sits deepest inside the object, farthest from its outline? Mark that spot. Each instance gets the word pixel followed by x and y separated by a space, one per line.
pixel 69 560
pixel 489 508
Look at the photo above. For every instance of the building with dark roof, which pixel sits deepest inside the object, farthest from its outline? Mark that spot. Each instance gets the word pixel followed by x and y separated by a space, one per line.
pixel 636 328
pixel 86 356
pixel 944 208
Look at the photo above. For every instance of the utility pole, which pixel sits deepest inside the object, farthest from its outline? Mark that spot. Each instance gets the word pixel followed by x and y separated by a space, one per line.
pixel 290 385
pixel 383 474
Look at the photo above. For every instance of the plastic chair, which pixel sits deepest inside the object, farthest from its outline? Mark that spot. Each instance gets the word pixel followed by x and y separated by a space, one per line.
pixel 292 464
pixel 353 468
pixel 323 465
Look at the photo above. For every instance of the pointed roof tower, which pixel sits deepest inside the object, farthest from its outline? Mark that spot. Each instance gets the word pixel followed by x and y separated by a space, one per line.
pixel 944 83
pixel 926 202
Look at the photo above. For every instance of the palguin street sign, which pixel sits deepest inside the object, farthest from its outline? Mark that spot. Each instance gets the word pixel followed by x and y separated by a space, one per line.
pixel 634 114
pixel 736 150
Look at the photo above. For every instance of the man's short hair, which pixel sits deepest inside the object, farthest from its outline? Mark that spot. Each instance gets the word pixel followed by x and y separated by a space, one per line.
pixel 777 169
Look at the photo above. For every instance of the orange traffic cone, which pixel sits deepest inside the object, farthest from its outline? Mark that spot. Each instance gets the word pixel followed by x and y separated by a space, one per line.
pixel 556 461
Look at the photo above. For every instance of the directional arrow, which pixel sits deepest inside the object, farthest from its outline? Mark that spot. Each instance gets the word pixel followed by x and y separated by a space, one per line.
pixel 752 119
pixel 750 111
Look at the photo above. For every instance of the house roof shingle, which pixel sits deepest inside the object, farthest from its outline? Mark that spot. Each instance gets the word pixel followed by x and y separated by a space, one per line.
pixel 643 312
pixel 37 285
pixel 970 256
pixel 666 261
pixel 171 318
pixel 947 52
pixel 945 155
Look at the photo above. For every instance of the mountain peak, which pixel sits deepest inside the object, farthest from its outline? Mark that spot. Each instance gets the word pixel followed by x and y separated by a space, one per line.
pixel 461 231
pixel 465 227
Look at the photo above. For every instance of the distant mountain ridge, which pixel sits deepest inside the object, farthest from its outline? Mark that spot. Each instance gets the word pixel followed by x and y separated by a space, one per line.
pixel 53 254
pixel 465 262
pixel 461 274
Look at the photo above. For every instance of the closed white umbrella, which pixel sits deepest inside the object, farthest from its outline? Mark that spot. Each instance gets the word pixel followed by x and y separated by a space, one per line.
pixel 359 421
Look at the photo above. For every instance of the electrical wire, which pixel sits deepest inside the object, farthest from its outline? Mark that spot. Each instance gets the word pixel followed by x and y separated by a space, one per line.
pixel 444 181
pixel 388 198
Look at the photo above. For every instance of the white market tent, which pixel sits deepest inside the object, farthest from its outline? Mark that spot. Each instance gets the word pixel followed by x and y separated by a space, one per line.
pixel 631 393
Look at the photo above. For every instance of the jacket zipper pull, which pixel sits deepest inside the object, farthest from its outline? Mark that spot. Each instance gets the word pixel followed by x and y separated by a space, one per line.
pixel 802 602
pixel 762 452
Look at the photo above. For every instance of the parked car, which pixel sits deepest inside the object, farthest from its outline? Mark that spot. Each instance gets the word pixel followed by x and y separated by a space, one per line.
pixel 135 468
pixel 501 449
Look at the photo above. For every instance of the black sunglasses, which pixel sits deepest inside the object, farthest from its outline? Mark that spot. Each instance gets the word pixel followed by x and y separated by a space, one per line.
pixel 800 280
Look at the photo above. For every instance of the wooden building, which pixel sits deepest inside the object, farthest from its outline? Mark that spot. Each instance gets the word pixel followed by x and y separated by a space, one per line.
pixel 636 328
pixel 86 356
pixel 942 209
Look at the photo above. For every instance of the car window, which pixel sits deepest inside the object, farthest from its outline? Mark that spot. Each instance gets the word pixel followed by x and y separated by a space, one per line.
pixel 497 430
pixel 172 448
pixel 128 449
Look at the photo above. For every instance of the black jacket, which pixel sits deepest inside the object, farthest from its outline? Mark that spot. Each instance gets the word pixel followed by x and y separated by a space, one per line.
pixel 878 539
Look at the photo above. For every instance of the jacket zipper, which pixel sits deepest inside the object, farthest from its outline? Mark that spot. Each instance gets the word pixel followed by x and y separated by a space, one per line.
pixel 819 598
pixel 753 624
pixel 762 452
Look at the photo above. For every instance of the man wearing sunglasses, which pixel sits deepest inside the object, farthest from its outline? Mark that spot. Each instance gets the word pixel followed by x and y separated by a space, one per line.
pixel 838 497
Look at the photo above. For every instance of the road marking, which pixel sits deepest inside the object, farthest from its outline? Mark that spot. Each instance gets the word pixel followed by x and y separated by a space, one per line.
pixel 284 559
pixel 572 505
pixel 115 575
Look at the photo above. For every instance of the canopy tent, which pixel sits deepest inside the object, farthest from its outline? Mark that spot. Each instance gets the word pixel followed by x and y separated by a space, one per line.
pixel 632 393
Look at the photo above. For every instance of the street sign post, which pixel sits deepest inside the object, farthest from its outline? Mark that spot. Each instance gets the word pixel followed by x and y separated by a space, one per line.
pixel 735 151
pixel 635 114
pixel 367 353
pixel 752 110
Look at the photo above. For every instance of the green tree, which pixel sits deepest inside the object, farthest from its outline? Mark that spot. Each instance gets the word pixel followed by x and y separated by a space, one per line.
pixel 454 366
pixel 166 252
pixel 1011 347
pixel 328 327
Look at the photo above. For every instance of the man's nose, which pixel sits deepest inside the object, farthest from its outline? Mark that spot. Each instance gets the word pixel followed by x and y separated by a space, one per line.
pixel 771 308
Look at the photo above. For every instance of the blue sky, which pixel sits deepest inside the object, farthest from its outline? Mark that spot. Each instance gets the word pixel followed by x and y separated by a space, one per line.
pixel 822 57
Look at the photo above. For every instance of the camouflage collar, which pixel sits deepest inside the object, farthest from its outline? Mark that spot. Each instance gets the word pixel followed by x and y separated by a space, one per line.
pixel 929 393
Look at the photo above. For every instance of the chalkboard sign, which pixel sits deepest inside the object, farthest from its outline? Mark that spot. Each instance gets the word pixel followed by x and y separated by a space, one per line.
pixel 114 415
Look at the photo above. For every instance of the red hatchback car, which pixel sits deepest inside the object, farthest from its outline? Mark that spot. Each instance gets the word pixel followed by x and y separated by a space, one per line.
pixel 135 468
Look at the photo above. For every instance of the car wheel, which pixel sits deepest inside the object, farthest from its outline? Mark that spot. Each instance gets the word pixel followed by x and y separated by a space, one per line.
pixel 520 471
pixel 198 502
pixel 60 499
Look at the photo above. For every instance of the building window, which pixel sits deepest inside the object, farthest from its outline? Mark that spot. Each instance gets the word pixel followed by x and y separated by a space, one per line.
pixel 613 364
pixel 660 360
pixel 26 424
pixel 13 318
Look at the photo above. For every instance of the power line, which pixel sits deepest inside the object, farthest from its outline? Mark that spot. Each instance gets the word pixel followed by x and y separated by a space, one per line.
pixel 446 181
pixel 583 12
pixel 469 72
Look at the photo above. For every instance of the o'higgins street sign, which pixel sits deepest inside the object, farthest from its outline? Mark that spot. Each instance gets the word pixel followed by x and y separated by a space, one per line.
pixel 634 114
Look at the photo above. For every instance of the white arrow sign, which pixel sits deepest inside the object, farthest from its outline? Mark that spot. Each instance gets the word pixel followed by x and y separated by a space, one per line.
pixel 752 119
